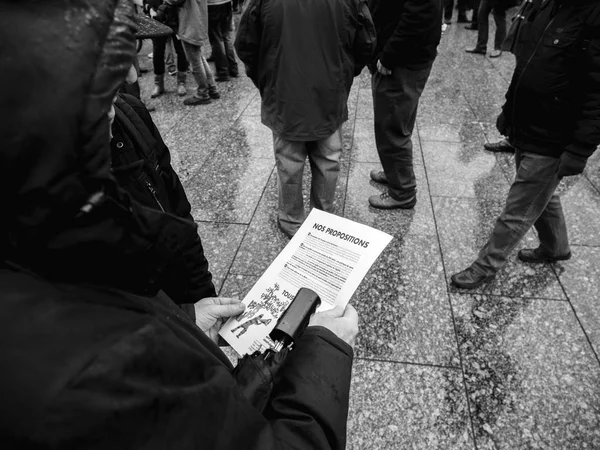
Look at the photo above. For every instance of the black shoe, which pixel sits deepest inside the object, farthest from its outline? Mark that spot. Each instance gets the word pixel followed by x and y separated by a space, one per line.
pixel 234 74
pixel 194 100
pixel 384 201
pixel 469 279
pixel 502 146
pixel 471 27
pixel 536 255
pixel 214 94
pixel 448 21
pixel 475 50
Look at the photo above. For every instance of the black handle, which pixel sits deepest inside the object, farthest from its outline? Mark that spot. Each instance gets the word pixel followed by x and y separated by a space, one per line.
pixel 295 318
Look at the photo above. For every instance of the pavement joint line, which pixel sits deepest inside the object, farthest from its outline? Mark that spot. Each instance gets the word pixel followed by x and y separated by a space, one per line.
pixel 407 363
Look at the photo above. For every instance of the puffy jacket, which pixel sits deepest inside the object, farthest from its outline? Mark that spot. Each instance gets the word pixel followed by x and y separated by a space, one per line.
pixel 553 102
pixel 302 55
pixel 141 163
pixel 408 31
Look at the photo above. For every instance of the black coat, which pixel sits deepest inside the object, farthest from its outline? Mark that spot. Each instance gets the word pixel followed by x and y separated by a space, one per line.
pixel 408 31
pixel 90 368
pixel 553 102
pixel 302 55
pixel 141 163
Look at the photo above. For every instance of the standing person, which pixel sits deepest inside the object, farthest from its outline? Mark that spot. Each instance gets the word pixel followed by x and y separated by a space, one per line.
pixel 220 33
pixel 98 357
pixel 408 33
pixel 498 8
pixel 302 56
pixel 193 32
pixel 552 119
pixel 159 45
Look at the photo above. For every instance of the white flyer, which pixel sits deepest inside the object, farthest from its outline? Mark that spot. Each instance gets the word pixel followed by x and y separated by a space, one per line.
pixel 329 254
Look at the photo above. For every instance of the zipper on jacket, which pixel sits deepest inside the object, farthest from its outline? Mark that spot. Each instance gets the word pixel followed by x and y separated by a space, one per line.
pixel 153 192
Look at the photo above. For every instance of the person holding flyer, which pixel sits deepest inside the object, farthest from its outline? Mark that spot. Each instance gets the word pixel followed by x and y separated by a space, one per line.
pixel 95 355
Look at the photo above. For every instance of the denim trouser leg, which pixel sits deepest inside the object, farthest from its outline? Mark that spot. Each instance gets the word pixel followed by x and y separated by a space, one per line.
pixel 290 156
pixel 228 39
pixel 220 33
pixel 531 201
pixel 324 157
pixel 199 68
pixel 395 103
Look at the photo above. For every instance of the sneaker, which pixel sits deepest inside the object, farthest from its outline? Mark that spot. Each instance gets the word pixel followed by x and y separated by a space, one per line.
pixel 537 255
pixel 384 201
pixel 470 279
pixel 195 100
pixel 172 71
pixel 378 176
pixel 496 53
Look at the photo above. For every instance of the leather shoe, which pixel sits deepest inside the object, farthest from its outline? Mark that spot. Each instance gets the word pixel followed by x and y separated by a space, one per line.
pixel 378 176
pixel 469 279
pixel 384 201
pixel 496 53
pixel 475 50
pixel 537 255
pixel 502 146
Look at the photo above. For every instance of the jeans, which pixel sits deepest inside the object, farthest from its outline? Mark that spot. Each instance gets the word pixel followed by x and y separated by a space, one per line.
pixel 158 60
pixel 485 7
pixel 531 201
pixel 220 34
pixel 395 103
pixel 200 69
pixel 290 156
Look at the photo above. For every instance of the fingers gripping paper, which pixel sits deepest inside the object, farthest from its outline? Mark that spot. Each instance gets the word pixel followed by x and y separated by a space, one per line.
pixel 329 254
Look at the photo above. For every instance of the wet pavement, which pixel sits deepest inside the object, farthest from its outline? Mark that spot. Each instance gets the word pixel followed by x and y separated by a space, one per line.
pixel 513 364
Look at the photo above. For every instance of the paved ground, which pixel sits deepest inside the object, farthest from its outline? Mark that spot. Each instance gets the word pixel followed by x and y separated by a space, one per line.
pixel 511 365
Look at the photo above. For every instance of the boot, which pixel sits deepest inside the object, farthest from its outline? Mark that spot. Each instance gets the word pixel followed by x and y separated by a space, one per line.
pixel 159 86
pixel 181 90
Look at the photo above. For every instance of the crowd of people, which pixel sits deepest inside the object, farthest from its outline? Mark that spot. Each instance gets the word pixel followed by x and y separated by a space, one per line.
pixel 109 314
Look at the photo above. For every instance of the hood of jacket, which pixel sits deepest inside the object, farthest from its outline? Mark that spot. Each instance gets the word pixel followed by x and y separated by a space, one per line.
pixel 63 215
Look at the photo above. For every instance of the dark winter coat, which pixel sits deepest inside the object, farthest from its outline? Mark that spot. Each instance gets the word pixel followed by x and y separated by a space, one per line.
pixel 86 365
pixel 141 163
pixel 302 55
pixel 408 32
pixel 98 369
pixel 553 102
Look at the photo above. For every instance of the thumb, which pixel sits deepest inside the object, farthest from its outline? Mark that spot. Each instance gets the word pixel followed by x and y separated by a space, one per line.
pixel 228 310
pixel 338 311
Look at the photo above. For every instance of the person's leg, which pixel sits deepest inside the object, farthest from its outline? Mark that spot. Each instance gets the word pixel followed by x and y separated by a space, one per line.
pixel 448 8
pixel 552 230
pixel 228 38
pixel 324 160
pixel 158 62
pixel 528 198
pixel 462 11
pixel 290 157
pixel 500 20
pixel 395 102
pixel 215 35
pixel 196 61
pixel 182 62
pixel 483 20
pixel 210 79
pixel 474 19
pixel 170 55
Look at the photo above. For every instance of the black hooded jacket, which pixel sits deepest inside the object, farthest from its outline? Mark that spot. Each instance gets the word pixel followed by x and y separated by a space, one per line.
pixel 86 364
pixel 553 102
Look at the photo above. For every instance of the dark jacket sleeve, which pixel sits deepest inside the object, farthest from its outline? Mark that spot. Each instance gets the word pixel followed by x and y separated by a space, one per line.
pixel 418 19
pixel 365 39
pixel 586 135
pixel 157 389
pixel 247 40
pixel 188 279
